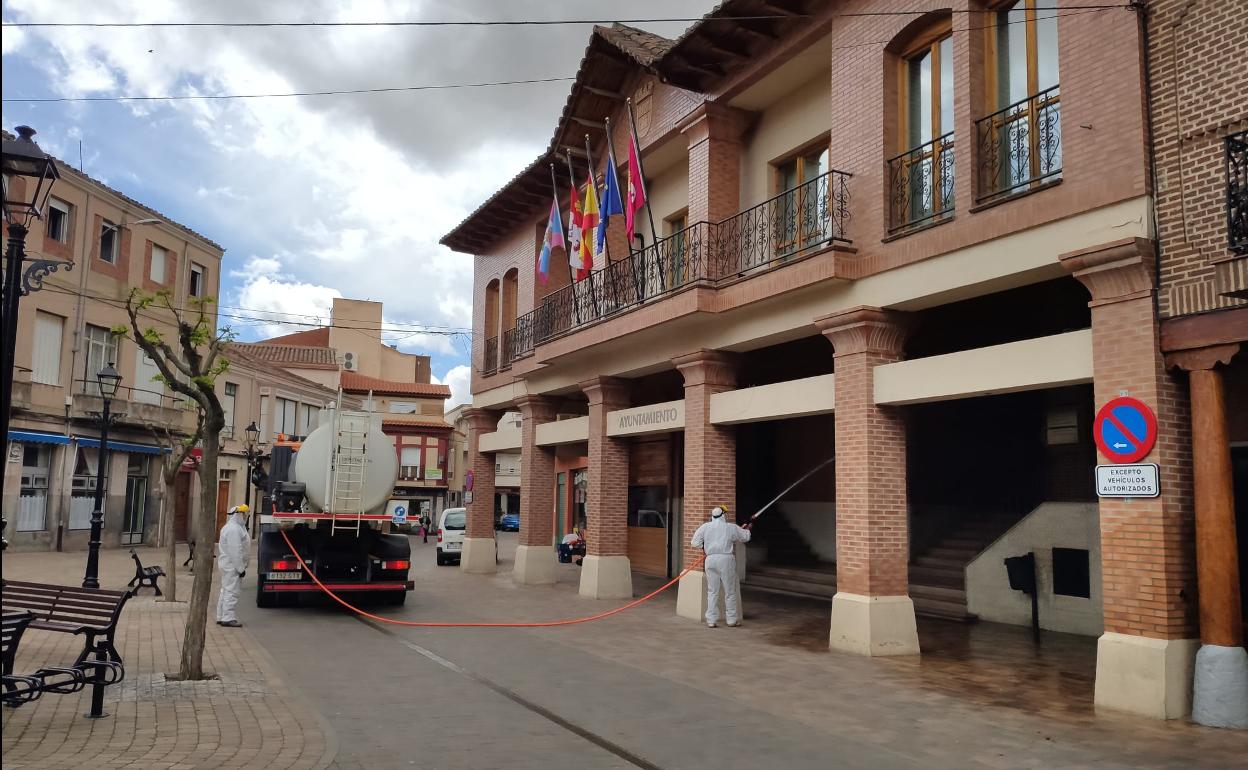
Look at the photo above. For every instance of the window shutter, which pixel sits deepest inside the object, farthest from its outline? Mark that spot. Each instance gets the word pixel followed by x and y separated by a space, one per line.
pixel 49 329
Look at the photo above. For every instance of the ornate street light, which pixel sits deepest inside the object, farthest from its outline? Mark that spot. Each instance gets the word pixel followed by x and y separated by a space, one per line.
pixel 253 462
pixel 108 380
pixel 29 174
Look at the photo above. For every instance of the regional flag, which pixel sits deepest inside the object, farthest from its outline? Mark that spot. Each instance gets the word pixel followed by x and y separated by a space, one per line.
pixel 554 238
pixel 636 190
pixel 589 220
pixel 611 203
pixel 574 231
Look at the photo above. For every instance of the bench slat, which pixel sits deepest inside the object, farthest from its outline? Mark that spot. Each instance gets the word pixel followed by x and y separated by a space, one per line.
pixel 45 611
pixel 89 592
pixel 40 601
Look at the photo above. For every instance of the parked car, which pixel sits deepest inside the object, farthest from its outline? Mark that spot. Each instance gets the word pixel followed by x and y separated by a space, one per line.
pixel 509 522
pixel 451 528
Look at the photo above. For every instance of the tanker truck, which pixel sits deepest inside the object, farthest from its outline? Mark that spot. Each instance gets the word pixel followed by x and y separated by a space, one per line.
pixel 327 493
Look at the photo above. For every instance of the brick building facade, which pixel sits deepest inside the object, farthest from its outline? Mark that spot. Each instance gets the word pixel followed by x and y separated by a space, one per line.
pixel 919 243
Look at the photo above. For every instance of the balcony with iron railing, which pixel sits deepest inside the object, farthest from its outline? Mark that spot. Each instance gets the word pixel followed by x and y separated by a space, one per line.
pixel 1237 192
pixel 1020 147
pixel 794 224
pixel 920 184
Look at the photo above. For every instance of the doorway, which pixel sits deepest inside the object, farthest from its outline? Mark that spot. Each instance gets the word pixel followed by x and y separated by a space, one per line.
pixel 182 507
pixel 135 515
pixel 223 502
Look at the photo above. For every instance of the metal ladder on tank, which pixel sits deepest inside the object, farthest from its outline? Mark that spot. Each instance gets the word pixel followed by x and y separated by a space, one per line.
pixel 350 460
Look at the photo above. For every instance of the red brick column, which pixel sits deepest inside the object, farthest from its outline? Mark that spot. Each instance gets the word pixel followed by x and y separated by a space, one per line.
pixel 872 613
pixel 1144 658
pixel 479 546
pixel 714 134
pixel 606 572
pixel 535 556
pixel 710 463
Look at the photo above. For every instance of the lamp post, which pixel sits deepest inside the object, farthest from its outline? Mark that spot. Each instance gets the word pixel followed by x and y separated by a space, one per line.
pixel 108 379
pixel 29 174
pixel 252 454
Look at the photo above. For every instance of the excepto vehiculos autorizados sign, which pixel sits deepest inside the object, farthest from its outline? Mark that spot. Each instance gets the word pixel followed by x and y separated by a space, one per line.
pixel 1140 480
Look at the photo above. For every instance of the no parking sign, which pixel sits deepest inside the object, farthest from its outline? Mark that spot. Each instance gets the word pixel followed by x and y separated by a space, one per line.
pixel 1125 430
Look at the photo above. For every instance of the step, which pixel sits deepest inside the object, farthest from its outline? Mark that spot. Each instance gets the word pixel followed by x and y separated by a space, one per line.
pixel 945 552
pixel 941 609
pixel 796 587
pixel 931 577
pixel 825 576
pixel 947 565
pixel 939 593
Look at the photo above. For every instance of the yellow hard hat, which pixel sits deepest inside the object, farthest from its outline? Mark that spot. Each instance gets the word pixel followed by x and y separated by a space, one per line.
pixel 240 509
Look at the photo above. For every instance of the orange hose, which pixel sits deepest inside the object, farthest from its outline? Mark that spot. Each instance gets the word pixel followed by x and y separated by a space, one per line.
pixel 547 624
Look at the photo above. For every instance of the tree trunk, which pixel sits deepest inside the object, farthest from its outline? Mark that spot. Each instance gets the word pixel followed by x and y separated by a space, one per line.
pixel 205 535
pixel 169 532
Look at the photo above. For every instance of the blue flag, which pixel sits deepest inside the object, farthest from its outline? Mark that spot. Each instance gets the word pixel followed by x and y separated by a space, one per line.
pixel 612 203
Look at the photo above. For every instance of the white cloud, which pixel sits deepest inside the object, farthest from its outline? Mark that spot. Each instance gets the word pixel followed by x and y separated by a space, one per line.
pixel 459 378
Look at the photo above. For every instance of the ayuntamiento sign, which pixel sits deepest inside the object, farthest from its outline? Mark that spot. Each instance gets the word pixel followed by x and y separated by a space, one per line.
pixel 653 418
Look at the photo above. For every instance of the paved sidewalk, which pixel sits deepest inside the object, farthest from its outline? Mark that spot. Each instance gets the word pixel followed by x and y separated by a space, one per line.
pixel 249 717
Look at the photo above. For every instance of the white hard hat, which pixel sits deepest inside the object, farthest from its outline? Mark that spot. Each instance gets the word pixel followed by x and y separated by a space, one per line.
pixel 717 511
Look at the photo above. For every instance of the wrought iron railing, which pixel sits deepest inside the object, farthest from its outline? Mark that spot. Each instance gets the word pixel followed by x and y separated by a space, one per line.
pixel 793 224
pixel 920 183
pixel 489 361
pixel 508 349
pixel 1237 192
pixel 1020 147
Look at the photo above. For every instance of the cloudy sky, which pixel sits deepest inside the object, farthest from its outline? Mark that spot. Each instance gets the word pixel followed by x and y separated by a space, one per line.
pixel 312 197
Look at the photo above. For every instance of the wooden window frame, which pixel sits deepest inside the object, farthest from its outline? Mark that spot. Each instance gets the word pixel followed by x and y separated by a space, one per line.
pixel 782 248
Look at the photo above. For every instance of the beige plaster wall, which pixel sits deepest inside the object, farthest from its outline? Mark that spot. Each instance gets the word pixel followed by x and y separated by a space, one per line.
pixel 790 123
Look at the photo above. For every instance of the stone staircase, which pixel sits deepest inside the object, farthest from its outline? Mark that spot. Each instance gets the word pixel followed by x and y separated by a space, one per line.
pixel 937 576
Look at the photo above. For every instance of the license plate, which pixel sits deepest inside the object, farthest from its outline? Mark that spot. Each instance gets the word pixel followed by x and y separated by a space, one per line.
pixel 284 576
pixel 452 546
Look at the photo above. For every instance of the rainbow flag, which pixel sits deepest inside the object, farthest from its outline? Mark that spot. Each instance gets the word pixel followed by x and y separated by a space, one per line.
pixel 554 238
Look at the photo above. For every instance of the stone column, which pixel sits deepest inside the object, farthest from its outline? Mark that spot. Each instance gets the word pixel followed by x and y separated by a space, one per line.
pixel 872 613
pixel 606 572
pixel 710 464
pixel 1144 659
pixel 535 556
pixel 1220 688
pixel 480 550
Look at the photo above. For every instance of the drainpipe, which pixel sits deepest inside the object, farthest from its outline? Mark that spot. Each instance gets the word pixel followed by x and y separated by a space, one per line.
pixel 1141 10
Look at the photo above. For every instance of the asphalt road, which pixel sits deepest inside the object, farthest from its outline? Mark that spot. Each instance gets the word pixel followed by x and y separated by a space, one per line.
pixel 464 698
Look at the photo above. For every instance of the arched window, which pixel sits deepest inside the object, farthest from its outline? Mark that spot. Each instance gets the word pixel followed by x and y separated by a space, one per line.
pixel 1020 142
pixel 921 174
pixel 507 319
pixel 490 362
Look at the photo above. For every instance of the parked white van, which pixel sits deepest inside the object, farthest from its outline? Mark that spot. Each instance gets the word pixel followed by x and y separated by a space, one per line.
pixel 451 528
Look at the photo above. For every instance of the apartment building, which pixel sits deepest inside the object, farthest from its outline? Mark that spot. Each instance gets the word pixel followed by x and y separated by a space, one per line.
pixel 914 250
pixel 348 355
pixel 1199 110
pixel 65 337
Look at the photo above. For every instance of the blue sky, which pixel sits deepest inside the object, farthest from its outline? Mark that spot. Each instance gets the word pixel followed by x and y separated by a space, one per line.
pixel 311 197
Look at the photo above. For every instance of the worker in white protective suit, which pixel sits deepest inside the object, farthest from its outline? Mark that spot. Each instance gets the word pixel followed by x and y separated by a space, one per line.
pixel 233 556
pixel 718 538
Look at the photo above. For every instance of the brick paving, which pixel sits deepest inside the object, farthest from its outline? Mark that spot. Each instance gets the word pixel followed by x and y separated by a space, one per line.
pixel 249 717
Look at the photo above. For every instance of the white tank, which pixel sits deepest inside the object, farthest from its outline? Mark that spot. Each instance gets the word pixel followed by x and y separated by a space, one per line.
pixel 381 469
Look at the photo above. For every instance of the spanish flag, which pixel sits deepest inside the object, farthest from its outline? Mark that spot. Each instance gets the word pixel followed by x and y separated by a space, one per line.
pixel 589 222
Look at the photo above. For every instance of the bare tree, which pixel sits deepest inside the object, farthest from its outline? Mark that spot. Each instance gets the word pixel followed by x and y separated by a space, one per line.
pixel 190 364
pixel 177 449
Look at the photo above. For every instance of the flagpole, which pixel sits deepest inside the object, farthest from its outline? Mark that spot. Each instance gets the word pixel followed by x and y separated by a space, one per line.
pixel 589 154
pixel 641 169
pixel 576 308
pixel 654 233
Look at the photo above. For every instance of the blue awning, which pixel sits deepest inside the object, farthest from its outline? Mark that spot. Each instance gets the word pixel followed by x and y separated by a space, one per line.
pixel 33 437
pixel 122 446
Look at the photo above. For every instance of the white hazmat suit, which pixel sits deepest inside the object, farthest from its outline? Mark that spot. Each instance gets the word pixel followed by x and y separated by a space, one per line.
pixel 718 538
pixel 233 556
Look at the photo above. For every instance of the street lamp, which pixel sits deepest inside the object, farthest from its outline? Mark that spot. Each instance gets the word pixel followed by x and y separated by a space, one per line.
pixel 108 380
pixel 253 436
pixel 29 174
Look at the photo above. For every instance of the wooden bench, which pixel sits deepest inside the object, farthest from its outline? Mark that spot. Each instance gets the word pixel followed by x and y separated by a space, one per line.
pixel 144 576
pixel 19 688
pixel 92 612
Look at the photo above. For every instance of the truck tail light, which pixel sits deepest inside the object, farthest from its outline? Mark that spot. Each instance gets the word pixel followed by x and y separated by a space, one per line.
pixel 396 564
pixel 279 565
